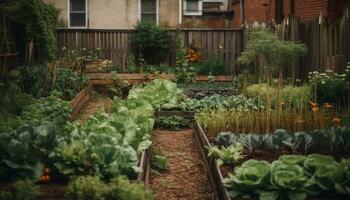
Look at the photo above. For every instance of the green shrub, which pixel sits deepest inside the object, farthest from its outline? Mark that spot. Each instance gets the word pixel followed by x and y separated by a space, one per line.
pixel 330 87
pixel 120 188
pixel 294 96
pixel 212 66
pixel 150 42
pixel 173 123
pixel 21 190
pixel 69 83
pixel 86 188
pixel 40 80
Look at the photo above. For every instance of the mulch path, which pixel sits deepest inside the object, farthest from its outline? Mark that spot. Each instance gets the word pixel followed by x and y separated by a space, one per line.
pixel 97 103
pixel 186 177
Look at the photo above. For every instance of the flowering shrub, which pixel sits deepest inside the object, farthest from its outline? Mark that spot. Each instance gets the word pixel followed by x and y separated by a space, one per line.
pixel 330 86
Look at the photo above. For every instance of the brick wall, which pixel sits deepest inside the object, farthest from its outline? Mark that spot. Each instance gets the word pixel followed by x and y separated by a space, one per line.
pixel 255 11
pixel 307 10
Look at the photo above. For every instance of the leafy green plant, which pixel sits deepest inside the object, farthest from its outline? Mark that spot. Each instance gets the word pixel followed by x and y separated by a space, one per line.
pixel 21 190
pixel 121 188
pixel 252 176
pixel 330 87
pixel 174 123
pixel 92 188
pixel 150 42
pixel 159 161
pixel 41 80
pixel 287 180
pixel 184 72
pixel 212 65
pixel 228 155
pixel 86 188
pixel 69 83
pixel 47 109
pixel 24 150
pixel 290 177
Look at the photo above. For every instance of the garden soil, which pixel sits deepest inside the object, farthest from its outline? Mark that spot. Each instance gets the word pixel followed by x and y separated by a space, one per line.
pixel 186 176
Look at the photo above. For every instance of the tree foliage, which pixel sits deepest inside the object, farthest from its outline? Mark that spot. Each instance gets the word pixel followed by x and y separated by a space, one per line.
pixel 263 42
pixel 39 21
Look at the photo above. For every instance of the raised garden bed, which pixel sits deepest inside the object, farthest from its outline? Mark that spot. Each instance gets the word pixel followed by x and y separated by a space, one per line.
pixel 184 114
pixel 78 102
pixel 105 79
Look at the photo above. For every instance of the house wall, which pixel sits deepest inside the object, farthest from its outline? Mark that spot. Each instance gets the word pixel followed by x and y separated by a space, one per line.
pixel 109 14
pixel 119 14
pixel 255 11
pixel 62 5
pixel 169 13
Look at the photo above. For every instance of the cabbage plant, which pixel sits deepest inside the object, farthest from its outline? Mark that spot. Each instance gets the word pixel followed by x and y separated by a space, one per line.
pixel 249 178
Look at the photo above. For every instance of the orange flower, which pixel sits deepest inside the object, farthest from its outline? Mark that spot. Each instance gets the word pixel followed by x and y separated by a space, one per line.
pixel 336 120
pixel 300 121
pixel 313 104
pixel 315 109
pixel 327 105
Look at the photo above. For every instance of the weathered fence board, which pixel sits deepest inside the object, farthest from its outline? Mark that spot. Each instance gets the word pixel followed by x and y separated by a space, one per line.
pixel 328 44
pixel 115 43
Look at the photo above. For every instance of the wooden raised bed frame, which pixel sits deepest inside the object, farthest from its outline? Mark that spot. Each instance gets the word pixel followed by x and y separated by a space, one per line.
pixel 144 164
pixel 78 102
pixel 105 79
pixel 214 172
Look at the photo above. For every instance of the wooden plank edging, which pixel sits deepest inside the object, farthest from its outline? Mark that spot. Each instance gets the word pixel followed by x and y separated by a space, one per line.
pixel 107 78
pixel 145 165
pixel 78 102
pixel 215 175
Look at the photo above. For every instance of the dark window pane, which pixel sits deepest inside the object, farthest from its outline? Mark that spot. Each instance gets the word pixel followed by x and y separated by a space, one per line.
pixel 192 5
pixel 149 17
pixel 148 6
pixel 77 20
pixel 77 5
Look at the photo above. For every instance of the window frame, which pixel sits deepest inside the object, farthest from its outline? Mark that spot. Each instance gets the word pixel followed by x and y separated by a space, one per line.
pixel 157 11
pixel 189 13
pixel 86 15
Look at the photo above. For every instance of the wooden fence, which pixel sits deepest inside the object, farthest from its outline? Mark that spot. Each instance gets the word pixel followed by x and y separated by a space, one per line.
pixel 115 44
pixel 328 44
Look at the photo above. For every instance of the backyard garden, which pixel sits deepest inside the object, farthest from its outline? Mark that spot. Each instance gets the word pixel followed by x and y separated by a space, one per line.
pixel 75 126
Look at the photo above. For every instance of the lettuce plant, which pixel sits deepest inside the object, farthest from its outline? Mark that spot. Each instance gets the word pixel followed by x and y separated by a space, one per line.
pixel 249 178
pixel 228 155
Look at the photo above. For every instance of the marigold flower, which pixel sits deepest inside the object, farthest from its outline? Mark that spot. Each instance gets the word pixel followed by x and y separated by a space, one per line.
pixel 313 104
pixel 336 120
pixel 315 109
pixel 327 105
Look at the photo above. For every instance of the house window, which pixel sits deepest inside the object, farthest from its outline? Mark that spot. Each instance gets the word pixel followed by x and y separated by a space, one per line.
pixel 77 13
pixel 149 10
pixel 193 7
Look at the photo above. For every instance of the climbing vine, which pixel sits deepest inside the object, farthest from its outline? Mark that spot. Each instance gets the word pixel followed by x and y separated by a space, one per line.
pixel 39 21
